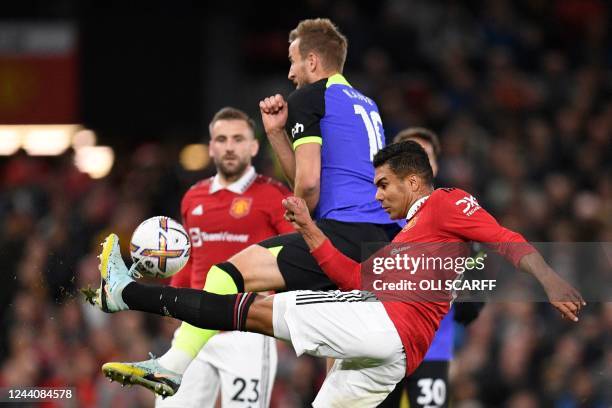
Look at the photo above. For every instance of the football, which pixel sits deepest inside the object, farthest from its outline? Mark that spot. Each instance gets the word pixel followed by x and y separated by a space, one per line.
pixel 160 246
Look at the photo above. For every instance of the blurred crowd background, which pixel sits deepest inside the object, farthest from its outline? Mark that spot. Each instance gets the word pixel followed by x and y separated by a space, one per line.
pixel 519 92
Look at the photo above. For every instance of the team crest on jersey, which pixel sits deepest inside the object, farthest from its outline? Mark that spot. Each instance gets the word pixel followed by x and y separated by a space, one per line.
pixel 199 210
pixel 241 206
pixel 410 224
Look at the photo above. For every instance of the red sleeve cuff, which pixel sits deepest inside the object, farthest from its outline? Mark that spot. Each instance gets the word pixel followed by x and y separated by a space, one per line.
pixel 519 251
pixel 324 251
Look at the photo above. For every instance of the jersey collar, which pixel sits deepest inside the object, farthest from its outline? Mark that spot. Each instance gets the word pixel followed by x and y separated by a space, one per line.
pixel 337 79
pixel 239 186
pixel 415 207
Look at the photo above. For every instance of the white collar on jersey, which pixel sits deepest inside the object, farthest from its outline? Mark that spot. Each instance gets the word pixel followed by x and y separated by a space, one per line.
pixel 239 186
pixel 415 207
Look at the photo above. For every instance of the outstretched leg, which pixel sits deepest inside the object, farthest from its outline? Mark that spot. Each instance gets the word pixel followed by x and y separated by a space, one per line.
pixel 118 291
pixel 241 311
pixel 346 325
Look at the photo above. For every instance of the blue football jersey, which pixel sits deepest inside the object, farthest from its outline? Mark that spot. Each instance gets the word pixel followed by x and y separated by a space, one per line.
pixel 441 348
pixel 349 128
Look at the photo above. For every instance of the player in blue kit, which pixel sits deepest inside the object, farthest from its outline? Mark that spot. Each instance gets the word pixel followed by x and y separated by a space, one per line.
pixel 325 137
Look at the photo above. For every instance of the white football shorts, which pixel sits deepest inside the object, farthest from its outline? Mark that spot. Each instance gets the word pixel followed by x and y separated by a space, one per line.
pixel 351 328
pixel 242 366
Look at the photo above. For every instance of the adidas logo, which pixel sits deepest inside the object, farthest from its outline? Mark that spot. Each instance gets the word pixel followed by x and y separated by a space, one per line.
pixel 199 210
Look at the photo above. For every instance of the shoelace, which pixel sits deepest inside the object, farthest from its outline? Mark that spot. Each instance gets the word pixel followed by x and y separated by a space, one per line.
pixel 133 271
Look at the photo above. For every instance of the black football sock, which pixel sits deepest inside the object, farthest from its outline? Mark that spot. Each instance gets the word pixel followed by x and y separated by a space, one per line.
pixel 196 307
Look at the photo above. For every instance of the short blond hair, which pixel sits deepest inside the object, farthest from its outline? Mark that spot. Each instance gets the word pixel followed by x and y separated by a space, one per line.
pixel 321 36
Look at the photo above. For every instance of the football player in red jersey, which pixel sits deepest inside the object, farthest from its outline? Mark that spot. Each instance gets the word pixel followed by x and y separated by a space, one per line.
pixel 428 386
pixel 376 342
pixel 223 215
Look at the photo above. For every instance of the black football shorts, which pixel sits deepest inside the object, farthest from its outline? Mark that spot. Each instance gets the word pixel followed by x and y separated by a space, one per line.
pixel 427 387
pixel 299 268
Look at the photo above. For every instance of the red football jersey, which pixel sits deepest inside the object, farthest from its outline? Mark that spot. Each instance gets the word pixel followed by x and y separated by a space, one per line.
pixel 447 215
pixel 223 221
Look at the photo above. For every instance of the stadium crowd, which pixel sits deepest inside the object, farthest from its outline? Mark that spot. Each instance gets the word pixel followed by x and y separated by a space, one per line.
pixel 521 96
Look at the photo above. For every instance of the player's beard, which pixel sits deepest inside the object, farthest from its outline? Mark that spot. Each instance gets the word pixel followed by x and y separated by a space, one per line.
pixel 301 80
pixel 232 172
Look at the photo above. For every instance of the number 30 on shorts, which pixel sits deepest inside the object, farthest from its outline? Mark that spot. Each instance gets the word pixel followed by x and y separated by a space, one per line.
pixel 433 392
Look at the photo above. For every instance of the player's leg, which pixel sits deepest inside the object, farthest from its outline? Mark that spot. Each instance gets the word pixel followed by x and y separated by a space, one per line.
pixel 283 261
pixel 248 311
pixel 242 366
pixel 118 291
pixel 278 263
pixel 351 384
pixel 224 278
pixel 358 333
pixel 254 268
pixel 247 367
pixel 199 387
pixel 398 396
pixel 257 264
pixel 344 325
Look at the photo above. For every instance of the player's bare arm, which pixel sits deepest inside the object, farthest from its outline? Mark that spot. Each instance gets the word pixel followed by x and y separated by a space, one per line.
pixel 566 299
pixel 274 117
pixel 308 174
pixel 302 168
